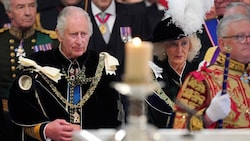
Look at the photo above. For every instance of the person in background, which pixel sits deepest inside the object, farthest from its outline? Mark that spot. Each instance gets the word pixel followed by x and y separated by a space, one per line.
pixel 21 39
pixel 155 10
pixel 232 8
pixel 211 14
pixel 78 90
pixel 174 52
pixel 48 11
pixel 209 29
pixel 220 6
pixel 247 1
pixel 121 23
pixel 208 36
pixel 218 101
pixel 237 8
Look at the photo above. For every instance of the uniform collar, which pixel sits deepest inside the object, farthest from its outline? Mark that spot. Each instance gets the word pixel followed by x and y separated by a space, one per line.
pixel 20 34
pixel 110 9
pixel 235 65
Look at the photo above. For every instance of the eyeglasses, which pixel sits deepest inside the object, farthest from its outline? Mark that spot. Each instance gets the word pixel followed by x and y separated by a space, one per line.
pixel 239 38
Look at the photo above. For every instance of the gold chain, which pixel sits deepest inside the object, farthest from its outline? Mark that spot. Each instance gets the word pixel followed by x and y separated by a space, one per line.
pixel 163 95
pixel 89 92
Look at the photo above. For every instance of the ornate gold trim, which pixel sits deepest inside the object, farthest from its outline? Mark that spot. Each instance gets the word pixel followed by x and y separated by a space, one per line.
pixel 89 92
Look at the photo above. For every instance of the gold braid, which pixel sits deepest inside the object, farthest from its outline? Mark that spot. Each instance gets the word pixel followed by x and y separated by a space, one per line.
pixel 162 94
pixel 89 92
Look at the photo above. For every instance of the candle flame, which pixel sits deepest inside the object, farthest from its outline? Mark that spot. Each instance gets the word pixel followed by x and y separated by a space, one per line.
pixel 136 41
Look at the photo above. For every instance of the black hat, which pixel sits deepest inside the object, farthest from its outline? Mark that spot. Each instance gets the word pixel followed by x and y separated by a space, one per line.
pixel 166 30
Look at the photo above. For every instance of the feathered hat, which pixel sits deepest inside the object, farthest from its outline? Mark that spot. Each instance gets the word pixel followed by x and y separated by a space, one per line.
pixel 188 15
pixel 166 30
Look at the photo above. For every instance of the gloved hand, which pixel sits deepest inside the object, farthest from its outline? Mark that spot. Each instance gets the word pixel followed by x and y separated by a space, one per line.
pixel 219 107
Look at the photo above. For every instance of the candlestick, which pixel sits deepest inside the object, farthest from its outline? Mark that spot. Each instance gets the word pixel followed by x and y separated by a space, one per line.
pixel 137 128
pixel 138 54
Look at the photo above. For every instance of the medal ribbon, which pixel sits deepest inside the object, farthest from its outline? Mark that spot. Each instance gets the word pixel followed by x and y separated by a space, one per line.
pixel 104 19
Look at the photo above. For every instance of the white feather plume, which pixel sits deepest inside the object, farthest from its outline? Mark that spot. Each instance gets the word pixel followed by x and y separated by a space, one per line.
pixel 189 15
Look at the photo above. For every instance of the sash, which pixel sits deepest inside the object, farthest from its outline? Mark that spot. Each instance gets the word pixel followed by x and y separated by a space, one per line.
pixel 210 27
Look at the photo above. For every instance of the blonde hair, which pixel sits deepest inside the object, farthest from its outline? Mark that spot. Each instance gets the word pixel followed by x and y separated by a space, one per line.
pixel 195 46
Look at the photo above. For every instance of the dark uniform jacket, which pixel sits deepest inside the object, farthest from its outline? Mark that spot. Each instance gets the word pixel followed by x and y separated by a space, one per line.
pixel 33 40
pixel 42 103
pixel 159 107
pixel 48 12
pixel 127 15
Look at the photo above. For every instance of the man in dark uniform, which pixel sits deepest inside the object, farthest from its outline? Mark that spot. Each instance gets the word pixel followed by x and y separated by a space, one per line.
pixel 48 11
pixel 21 39
pixel 124 21
pixel 76 95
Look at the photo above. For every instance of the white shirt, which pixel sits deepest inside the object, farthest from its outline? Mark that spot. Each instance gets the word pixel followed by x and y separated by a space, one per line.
pixel 111 10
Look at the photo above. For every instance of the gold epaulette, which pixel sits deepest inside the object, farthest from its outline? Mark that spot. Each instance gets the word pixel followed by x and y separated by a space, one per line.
pixel 3 29
pixel 39 27
pixel 51 33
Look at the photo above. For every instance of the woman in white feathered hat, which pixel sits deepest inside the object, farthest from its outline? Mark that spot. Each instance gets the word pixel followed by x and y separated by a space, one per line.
pixel 174 52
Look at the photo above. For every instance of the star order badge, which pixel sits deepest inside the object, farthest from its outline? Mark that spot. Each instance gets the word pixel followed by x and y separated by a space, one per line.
pixel 103 28
pixel 245 77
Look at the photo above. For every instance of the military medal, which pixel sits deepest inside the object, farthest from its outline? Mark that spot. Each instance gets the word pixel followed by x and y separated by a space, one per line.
pixel 102 28
pixel 20 52
pixel 245 77
pixel 126 33
pixel 103 19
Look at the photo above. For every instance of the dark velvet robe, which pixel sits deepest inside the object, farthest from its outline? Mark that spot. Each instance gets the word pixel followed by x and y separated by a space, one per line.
pixel 100 110
pixel 159 113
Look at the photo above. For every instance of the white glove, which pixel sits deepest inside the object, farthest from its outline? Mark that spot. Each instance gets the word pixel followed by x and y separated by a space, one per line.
pixel 219 108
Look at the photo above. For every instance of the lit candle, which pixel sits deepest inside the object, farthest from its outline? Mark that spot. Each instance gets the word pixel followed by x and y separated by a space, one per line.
pixel 138 54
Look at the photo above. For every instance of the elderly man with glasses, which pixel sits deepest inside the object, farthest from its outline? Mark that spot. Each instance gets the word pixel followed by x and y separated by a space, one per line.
pixel 219 94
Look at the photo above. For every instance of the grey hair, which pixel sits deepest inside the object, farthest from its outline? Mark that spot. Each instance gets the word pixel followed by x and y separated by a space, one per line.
pixel 222 27
pixel 7 4
pixel 195 46
pixel 67 12
pixel 239 4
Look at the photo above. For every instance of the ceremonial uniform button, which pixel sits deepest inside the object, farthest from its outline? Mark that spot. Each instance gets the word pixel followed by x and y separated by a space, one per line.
pixel 12 54
pixel 13 75
pixel 13 68
pixel 12 61
pixel 33 41
pixel 12 48
pixel 11 41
